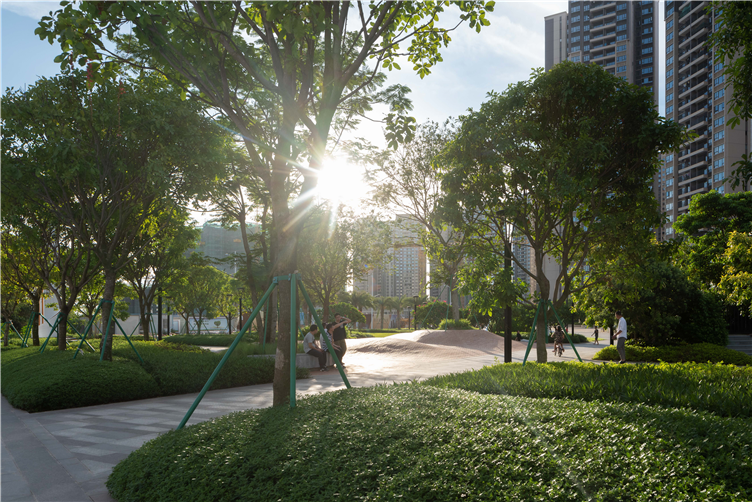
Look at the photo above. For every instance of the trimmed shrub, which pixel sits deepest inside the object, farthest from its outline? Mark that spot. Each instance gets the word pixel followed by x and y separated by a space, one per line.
pixel 696 352
pixel 453 324
pixel 420 443
pixel 717 388
pixel 49 381
pixel 53 380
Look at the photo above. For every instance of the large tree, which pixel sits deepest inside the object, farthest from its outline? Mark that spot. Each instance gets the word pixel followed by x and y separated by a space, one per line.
pixel 563 163
pixel 313 60
pixel 105 158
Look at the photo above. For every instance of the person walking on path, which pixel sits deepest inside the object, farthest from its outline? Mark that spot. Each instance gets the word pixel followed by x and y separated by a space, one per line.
pixel 311 348
pixel 596 335
pixel 339 334
pixel 621 335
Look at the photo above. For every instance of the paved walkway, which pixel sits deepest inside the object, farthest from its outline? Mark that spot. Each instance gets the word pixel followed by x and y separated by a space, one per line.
pixel 67 455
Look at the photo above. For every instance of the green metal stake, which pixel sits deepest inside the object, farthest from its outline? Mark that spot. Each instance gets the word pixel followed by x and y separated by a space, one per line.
pixel 80 336
pixel 16 332
pixel 293 339
pixel 27 332
pixel 326 338
pixel 568 336
pixel 129 340
pixel 107 331
pixel 530 336
pixel 52 330
pixel 226 356
pixel 88 327
pixel 266 319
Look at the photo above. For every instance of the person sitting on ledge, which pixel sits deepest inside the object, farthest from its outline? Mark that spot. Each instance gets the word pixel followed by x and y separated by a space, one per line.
pixel 311 348
pixel 328 330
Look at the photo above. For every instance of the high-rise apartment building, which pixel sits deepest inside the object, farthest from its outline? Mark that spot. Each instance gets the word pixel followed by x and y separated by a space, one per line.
pixel 696 98
pixel 404 274
pixel 621 37
pixel 555 28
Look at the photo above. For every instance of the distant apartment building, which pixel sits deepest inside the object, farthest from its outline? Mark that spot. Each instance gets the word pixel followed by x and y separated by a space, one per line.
pixel 220 243
pixel 404 274
pixel 696 97
pixel 621 37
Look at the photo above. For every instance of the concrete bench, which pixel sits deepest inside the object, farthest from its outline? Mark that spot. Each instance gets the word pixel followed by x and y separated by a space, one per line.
pixel 305 360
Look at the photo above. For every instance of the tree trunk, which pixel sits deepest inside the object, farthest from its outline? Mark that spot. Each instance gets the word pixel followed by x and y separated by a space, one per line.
pixel 145 324
pixel 6 333
pixel 62 328
pixel 455 305
pixel 109 296
pixel 541 331
pixel 35 300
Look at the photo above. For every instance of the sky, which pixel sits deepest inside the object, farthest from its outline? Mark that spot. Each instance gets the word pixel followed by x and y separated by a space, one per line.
pixel 473 64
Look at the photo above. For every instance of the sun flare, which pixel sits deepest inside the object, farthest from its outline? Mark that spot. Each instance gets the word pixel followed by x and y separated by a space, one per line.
pixel 340 181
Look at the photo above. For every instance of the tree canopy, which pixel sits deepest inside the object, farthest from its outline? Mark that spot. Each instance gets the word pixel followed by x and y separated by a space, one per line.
pixel 563 163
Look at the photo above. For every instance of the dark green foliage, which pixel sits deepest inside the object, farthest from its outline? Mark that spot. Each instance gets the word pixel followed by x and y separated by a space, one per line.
pixel 53 380
pixel 721 389
pixel 207 340
pixel 695 353
pixel 452 324
pixel 347 310
pixel 420 443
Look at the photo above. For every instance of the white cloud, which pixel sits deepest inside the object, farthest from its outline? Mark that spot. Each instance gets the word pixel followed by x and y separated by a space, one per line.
pixel 34 10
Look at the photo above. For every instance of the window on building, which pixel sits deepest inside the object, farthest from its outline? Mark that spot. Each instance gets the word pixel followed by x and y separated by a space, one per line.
pixel 586 58
pixel 719 122
pixel 621 27
pixel 621 17
pixel 670 60
pixel 669 206
pixel 718 108
pixel 670 11
pixel 670 48
pixel 575 9
pixel 647 70
pixel 719 94
pixel 719 80
pixel 670 23
pixel 575 59
pixel 670 97
pixel 718 177
pixel 586 47
pixel 718 66
pixel 649 10
pixel 720 190
pixel 586 7
pixel 670 108
pixel 620 69
pixel 621 48
pixel 647 31
pixel 719 135
pixel 718 163
pixel 575 48
pixel 718 25
pixel 647 60
pixel 575 39
pixel 670 182
pixel 647 50
pixel 669 170
pixel 620 59
pixel 586 27
pixel 575 29
pixel 669 194
pixel 669 158
pixel 622 37
pixel 670 72
pixel 648 40
pixel 670 36
pixel 670 84
pixel 719 149
pixel 621 6
pixel 575 19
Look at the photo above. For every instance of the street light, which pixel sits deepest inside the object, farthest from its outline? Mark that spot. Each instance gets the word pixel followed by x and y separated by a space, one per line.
pixel 240 309
pixel 415 313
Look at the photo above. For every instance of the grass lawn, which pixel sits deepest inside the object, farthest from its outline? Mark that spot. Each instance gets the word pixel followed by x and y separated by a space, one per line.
pixel 376 333
pixel 424 443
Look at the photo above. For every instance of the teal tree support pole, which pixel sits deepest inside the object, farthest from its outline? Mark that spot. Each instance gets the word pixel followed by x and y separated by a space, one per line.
pixel 107 331
pixel 568 336
pixel 53 329
pixel 80 336
pixel 129 340
pixel 293 338
pixel 326 338
pixel 533 329
pixel 226 356
pixel 88 328
pixel 27 332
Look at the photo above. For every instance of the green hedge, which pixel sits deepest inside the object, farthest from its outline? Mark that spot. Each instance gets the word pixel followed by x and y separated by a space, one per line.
pixel 696 352
pixel 717 388
pixel 247 345
pixel 453 324
pixel 53 380
pixel 420 443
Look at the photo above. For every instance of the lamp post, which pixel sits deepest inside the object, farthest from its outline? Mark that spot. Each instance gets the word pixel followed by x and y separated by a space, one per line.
pixel 229 315
pixel 159 314
pixel 240 309
pixel 169 311
pixel 415 313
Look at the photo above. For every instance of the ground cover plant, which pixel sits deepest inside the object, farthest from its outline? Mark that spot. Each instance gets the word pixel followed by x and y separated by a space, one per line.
pixel 247 345
pixel 721 389
pixel 53 380
pixel 416 442
pixel 694 352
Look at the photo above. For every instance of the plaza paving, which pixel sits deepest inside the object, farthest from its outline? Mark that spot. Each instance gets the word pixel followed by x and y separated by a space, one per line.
pixel 67 455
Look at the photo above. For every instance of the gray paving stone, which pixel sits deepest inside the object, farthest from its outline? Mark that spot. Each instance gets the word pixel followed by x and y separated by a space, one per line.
pixel 97 467
pixel 15 487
